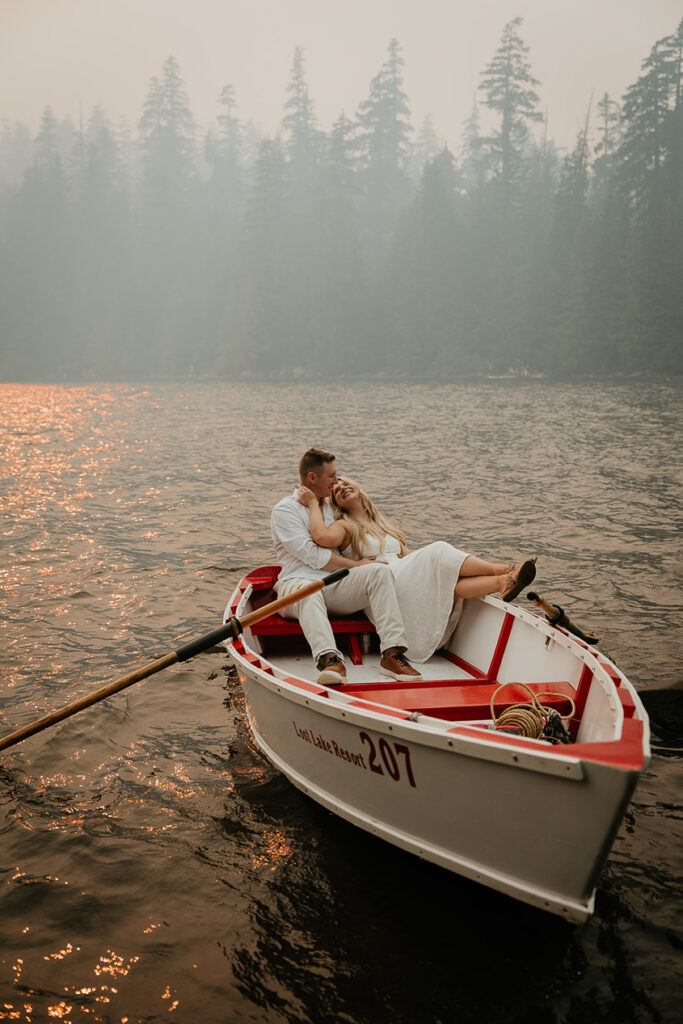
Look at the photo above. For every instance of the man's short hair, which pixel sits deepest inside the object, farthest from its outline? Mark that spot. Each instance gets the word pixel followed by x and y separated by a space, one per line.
pixel 312 462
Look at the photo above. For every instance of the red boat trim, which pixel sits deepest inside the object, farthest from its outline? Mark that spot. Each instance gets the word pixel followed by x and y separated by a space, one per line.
pixel 303 684
pixel 582 691
pixel 373 707
pixel 626 753
pixel 611 672
pixel 261 579
pixel 254 660
pixel 501 646
pixel 455 659
pixel 356 655
pixel 627 701
pixel 496 660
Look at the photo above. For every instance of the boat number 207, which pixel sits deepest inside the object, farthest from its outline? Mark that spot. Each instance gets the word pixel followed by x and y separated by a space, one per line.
pixel 391 761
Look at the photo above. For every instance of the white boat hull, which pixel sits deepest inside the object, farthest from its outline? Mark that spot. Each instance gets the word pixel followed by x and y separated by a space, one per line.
pixel 532 821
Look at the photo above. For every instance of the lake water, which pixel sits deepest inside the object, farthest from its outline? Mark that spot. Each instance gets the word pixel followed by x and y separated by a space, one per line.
pixel 153 866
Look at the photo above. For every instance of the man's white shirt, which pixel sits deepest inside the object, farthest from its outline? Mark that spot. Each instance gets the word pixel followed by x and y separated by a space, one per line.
pixel 297 552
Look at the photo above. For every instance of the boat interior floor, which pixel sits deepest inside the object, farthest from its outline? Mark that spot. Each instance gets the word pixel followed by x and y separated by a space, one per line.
pixel 446 690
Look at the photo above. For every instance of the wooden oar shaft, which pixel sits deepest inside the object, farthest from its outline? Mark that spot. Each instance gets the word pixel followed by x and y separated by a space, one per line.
pixel 282 602
pixel 232 628
pixel 235 626
pixel 549 609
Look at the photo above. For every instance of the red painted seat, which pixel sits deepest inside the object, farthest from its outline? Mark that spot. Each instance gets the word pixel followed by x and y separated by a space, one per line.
pixel 457 701
pixel 262 582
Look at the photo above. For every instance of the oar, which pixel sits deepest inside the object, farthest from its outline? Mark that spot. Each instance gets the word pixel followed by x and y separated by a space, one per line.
pixel 556 616
pixel 232 628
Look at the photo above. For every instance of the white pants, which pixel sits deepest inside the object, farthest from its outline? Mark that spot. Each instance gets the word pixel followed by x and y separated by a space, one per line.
pixel 368 588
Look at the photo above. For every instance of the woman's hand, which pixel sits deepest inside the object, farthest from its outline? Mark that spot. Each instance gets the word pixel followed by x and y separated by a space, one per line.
pixel 306 496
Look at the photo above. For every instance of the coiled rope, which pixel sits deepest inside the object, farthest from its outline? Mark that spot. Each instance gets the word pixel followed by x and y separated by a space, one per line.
pixel 532 719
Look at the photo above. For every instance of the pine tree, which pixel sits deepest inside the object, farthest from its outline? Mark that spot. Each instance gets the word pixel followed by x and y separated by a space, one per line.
pixel 339 175
pixel 647 108
pixel 336 296
pixel 168 247
pixel 651 174
pixel 302 139
pixel 508 86
pixel 167 133
pixel 569 325
pixel 426 148
pixel 101 225
pixel 36 274
pixel 384 120
pixel 104 173
pixel 223 152
pixel 229 124
pixel 383 153
pixel 673 127
pixel 48 160
pixel 609 129
pixel 499 231
pixel 427 273
pixel 264 329
pixel 473 157
pixel 16 151
pixel 572 188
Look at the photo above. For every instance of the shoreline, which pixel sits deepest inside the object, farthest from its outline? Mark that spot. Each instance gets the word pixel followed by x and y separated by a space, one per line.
pixel 311 378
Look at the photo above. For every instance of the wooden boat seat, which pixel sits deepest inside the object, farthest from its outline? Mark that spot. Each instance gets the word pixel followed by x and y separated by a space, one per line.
pixel 461 701
pixel 262 582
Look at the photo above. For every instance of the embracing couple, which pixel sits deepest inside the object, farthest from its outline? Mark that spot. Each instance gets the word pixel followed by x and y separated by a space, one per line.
pixel 414 599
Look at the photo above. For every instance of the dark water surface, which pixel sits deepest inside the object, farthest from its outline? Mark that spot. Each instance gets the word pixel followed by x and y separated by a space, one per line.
pixel 152 866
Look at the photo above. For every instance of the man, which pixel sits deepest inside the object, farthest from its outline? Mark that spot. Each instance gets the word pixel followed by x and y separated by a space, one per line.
pixel 368 587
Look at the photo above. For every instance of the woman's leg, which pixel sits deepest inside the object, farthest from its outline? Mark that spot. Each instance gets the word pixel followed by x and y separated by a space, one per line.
pixel 489 579
pixel 477 586
pixel 473 566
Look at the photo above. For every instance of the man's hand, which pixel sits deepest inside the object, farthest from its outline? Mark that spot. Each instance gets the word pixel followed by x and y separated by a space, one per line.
pixel 370 560
pixel 305 496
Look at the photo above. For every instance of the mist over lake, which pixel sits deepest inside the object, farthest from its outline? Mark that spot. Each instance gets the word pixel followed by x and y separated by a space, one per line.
pixel 371 244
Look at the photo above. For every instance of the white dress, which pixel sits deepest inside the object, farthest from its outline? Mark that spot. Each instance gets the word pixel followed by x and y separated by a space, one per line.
pixel 425 581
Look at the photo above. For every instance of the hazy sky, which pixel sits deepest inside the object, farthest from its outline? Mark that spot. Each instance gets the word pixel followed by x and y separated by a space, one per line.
pixel 74 54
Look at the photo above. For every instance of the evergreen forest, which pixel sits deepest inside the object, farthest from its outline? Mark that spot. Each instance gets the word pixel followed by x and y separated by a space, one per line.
pixel 370 248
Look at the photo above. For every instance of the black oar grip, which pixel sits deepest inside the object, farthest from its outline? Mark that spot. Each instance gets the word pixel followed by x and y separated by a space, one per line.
pixel 334 577
pixel 231 628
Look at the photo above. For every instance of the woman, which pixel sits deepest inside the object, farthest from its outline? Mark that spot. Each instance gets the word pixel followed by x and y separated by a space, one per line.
pixel 430 582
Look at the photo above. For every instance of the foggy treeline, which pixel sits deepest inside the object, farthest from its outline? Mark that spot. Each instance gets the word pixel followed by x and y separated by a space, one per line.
pixel 166 249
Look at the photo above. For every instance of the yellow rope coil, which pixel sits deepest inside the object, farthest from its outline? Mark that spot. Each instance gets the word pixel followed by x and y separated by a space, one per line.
pixel 529 717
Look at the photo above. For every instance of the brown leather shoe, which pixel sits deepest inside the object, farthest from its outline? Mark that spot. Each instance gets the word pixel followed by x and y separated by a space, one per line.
pixel 332 669
pixel 395 664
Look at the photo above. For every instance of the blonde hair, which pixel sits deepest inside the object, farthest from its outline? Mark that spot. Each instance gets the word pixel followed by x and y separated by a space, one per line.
pixel 358 529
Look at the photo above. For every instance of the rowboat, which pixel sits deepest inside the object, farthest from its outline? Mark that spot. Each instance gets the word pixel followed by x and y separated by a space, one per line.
pixel 431 767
